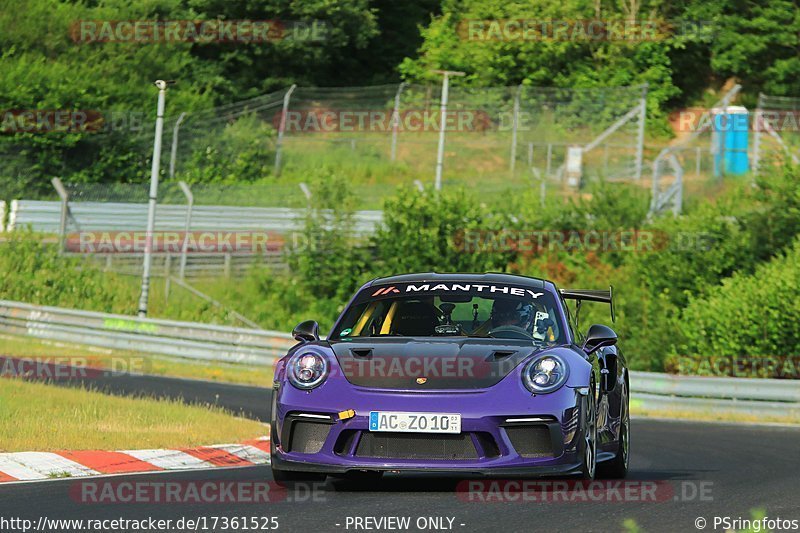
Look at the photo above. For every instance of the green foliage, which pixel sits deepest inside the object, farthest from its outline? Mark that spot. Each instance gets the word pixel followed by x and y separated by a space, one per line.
pixel 715 240
pixel 562 63
pixel 326 256
pixel 429 231
pixel 747 315
pixel 35 273
pixel 45 69
pixel 243 152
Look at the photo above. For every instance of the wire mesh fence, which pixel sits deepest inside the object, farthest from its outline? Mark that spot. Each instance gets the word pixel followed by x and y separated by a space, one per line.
pixel 776 131
pixel 703 151
pixel 256 152
pixel 268 151
pixel 503 138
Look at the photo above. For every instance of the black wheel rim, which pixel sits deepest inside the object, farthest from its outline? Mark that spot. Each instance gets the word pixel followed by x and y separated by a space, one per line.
pixel 590 454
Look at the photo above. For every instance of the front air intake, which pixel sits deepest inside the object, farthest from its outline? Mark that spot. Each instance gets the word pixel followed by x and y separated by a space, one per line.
pixel 305 435
pixel 416 446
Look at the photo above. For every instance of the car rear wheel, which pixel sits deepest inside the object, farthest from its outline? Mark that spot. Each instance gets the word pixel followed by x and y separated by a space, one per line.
pixel 617 468
pixel 589 451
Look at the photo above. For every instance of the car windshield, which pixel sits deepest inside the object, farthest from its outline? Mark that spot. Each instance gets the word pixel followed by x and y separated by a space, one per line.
pixel 453 309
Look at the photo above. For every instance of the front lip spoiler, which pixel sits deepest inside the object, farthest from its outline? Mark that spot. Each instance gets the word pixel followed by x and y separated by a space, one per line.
pixel 320 468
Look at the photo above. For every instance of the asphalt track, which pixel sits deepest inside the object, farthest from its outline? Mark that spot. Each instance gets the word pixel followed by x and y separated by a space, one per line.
pixel 738 469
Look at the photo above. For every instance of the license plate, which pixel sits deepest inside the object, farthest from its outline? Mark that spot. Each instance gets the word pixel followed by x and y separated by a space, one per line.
pixel 414 422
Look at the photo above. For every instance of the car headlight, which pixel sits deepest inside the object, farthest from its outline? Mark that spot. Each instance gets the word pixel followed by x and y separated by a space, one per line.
pixel 307 370
pixel 544 374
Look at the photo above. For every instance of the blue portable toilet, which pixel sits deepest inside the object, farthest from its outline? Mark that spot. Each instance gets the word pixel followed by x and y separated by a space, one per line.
pixel 729 140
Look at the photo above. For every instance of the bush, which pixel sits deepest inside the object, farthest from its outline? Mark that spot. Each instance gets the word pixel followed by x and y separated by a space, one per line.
pixel 329 260
pixel 433 231
pixel 35 273
pixel 748 315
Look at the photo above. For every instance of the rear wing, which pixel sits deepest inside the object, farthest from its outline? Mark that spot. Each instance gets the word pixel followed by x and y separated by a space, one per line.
pixel 589 295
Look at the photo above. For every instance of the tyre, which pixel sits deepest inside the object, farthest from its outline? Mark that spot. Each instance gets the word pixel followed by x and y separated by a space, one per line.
pixel 617 468
pixel 589 448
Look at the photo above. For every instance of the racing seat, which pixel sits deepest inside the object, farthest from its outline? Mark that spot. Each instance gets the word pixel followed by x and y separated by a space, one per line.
pixel 415 319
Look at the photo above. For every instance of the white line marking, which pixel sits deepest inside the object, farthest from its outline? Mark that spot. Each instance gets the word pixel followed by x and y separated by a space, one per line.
pixel 46 464
pixel 246 452
pixel 14 469
pixel 169 459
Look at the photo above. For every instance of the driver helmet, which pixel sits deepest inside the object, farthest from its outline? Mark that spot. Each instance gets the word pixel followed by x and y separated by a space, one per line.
pixel 511 312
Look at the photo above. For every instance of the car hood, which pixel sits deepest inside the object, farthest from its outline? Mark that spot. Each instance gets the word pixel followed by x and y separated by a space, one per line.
pixel 422 364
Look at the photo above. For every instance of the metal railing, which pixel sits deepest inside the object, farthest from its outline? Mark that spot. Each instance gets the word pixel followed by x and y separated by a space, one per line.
pixel 700 394
pixel 45 216
pixel 649 391
pixel 151 336
pixel 184 220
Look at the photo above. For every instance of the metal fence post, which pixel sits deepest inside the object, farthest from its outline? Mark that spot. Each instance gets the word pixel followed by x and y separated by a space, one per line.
pixel 282 128
pixel 306 193
pixel 698 155
pixel 443 113
pixel 174 151
pixel 396 119
pixel 62 223
pixel 167 275
pixel 549 159
pixel 757 134
pixel 514 127
pixel 640 132
pixel 187 226
pixel 151 211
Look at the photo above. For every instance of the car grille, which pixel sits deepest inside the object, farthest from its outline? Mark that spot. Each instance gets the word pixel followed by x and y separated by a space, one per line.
pixel 531 441
pixel 416 446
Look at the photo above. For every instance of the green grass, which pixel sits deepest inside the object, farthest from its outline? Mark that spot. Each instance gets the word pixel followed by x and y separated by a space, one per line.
pixel 144 363
pixel 712 416
pixel 40 417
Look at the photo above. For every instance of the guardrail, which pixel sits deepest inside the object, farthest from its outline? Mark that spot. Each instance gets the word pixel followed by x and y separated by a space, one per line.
pixel 45 216
pixel 649 391
pixel 163 337
pixel 197 266
pixel 747 396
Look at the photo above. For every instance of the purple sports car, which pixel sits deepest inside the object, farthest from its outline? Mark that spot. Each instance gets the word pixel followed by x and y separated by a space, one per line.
pixel 478 374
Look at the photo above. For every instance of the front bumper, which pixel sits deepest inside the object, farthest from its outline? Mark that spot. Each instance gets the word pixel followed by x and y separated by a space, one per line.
pixel 503 432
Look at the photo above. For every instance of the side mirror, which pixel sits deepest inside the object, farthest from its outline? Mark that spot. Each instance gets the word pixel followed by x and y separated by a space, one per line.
pixel 307 331
pixel 599 336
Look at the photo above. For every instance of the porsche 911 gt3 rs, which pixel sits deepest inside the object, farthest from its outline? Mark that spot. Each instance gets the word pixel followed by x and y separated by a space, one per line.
pixel 482 374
